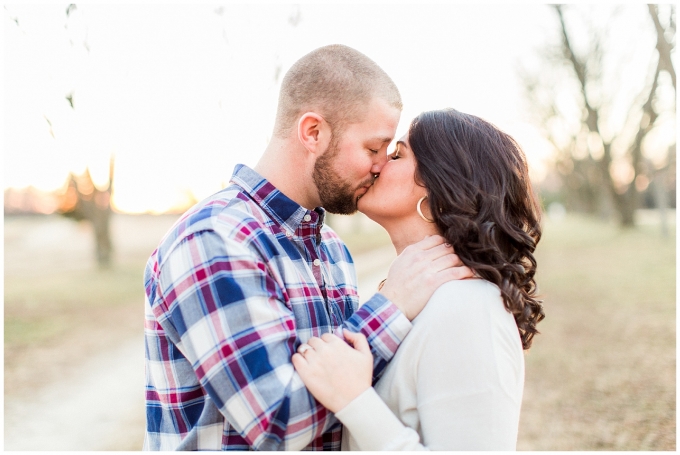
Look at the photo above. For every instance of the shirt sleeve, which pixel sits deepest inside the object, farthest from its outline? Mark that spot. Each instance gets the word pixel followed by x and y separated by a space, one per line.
pixel 468 387
pixel 384 327
pixel 227 315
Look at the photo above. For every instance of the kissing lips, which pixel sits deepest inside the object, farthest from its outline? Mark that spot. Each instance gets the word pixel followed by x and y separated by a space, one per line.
pixel 364 189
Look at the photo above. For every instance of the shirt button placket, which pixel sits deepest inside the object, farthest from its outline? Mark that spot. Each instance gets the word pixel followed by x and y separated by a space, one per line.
pixel 318 274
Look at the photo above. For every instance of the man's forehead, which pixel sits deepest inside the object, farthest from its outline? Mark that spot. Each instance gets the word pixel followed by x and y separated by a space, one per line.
pixel 378 124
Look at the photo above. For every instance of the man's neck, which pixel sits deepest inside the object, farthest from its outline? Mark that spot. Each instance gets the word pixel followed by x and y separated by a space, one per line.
pixel 285 167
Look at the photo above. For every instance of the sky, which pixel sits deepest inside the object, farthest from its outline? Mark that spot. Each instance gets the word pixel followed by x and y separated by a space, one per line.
pixel 179 94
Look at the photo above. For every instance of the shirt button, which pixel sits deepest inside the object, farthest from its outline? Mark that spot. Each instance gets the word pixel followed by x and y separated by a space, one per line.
pixel 288 234
pixel 307 217
pixel 317 262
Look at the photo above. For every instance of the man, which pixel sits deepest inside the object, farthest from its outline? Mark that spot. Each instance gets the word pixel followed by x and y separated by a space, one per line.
pixel 250 273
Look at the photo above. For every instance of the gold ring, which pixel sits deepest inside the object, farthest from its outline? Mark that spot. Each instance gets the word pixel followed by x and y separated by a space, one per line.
pixel 303 348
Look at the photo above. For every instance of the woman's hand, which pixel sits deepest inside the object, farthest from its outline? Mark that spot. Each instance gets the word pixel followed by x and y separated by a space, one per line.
pixel 334 372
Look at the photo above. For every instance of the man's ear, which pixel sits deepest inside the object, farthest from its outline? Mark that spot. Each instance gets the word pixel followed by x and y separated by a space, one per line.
pixel 314 133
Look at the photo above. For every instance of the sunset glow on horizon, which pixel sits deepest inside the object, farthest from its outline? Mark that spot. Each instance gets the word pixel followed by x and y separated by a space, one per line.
pixel 179 94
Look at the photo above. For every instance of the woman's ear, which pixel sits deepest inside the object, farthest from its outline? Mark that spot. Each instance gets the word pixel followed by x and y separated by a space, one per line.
pixel 314 133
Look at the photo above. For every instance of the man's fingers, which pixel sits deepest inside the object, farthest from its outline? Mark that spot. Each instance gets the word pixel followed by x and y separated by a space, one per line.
pixel 453 273
pixel 456 261
pixel 439 251
pixel 464 272
pixel 446 262
pixel 429 242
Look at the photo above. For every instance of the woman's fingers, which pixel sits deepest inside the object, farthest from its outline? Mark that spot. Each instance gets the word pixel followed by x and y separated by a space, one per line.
pixel 358 340
pixel 329 344
pixel 330 338
pixel 303 348
pixel 316 343
pixel 334 372
pixel 299 363
pixel 332 343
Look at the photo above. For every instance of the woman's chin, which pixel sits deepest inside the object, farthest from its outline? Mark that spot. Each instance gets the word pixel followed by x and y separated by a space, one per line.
pixel 365 207
pixel 361 205
pixel 370 206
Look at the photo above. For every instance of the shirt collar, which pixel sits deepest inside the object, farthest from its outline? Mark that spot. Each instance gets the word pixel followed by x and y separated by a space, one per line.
pixel 288 214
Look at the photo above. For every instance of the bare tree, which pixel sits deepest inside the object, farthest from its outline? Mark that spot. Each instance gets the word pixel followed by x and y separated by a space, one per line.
pixel 663 45
pixel 585 153
pixel 84 201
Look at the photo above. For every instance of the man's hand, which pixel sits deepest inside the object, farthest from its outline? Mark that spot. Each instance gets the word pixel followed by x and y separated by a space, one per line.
pixel 419 270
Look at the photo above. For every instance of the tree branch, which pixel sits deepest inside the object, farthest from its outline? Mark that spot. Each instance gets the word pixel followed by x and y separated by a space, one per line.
pixel 663 46
pixel 581 73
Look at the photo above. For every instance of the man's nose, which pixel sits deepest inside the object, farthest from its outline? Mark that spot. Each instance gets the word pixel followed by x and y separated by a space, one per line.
pixel 378 164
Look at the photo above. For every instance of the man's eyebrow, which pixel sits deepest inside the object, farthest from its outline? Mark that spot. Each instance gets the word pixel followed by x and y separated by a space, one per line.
pixel 383 139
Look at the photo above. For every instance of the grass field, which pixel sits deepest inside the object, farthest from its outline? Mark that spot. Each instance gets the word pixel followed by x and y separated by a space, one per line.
pixel 59 309
pixel 601 376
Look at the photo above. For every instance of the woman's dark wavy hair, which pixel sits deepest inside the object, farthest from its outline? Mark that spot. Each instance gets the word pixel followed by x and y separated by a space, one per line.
pixel 482 201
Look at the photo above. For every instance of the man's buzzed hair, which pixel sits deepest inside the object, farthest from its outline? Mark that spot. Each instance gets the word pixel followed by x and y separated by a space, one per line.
pixel 335 81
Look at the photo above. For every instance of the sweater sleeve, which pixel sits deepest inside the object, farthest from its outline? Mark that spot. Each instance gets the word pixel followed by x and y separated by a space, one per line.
pixel 374 427
pixel 469 381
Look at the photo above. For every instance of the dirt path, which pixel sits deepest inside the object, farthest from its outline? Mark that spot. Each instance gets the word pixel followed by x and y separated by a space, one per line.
pixel 95 401
pixel 96 406
pixel 83 389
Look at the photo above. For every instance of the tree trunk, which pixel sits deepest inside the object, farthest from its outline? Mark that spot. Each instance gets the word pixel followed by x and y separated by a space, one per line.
pixel 83 201
pixel 661 200
pixel 627 203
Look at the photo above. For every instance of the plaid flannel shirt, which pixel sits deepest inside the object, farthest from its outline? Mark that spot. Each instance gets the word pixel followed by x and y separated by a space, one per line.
pixel 236 285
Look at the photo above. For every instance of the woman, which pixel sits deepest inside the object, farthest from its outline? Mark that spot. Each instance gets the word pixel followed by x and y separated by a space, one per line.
pixel 456 381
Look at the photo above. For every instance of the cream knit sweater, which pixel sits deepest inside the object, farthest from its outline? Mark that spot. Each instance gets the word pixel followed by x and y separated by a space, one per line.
pixel 455 383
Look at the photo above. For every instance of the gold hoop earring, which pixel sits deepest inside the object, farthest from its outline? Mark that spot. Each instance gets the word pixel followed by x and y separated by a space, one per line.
pixel 420 201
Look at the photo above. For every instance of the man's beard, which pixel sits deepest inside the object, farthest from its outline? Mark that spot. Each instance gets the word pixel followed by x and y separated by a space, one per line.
pixel 337 196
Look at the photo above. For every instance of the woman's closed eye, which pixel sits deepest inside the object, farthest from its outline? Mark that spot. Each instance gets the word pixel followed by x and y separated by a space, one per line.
pixel 395 155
